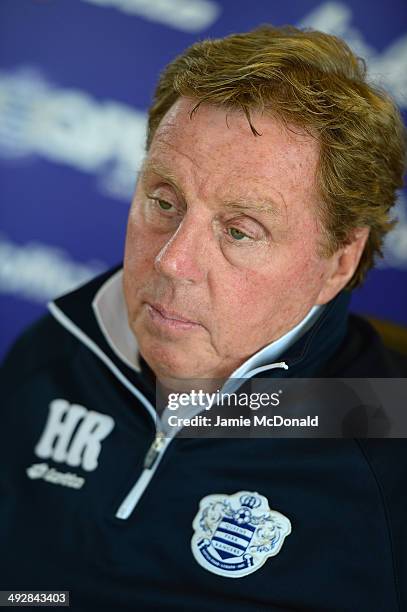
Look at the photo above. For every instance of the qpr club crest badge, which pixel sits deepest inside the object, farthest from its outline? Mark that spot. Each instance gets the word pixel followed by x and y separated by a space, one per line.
pixel 236 534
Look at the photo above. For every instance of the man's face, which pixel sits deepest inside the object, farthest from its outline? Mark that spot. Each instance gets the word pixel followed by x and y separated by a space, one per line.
pixel 222 243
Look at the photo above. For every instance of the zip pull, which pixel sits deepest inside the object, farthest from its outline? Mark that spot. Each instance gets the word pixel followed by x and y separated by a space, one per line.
pixel 154 450
pixel 151 462
pixel 270 366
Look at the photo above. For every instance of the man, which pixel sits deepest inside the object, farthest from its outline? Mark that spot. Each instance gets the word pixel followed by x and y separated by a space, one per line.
pixel 270 172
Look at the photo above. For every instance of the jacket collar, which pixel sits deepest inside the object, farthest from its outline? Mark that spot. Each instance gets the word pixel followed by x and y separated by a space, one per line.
pixel 111 314
pixel 97 315
pixel 308 356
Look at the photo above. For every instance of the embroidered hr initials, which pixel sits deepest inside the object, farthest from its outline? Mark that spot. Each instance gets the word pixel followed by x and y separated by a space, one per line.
pixel 73 434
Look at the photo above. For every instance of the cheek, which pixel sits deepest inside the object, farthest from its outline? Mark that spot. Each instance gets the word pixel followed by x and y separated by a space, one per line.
pixel 133 253
pixel 138 264
pixel 284 293
pixel 141 248
pixel 302 276
pixel 240 300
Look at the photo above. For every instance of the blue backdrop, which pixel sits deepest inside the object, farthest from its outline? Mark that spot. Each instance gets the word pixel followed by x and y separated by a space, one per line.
pixel 76 77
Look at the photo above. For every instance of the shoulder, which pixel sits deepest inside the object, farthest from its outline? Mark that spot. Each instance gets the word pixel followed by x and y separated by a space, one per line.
pixel 43 343
pixel 363 353
pixel 49 345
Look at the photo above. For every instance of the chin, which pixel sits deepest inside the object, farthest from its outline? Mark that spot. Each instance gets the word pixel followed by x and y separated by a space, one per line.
pixel 168 357
pixel 167 361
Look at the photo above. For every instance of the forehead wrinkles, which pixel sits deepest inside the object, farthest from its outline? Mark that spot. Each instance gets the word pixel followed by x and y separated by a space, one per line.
pixel 168 137
pixel 186 166
pixel 210 156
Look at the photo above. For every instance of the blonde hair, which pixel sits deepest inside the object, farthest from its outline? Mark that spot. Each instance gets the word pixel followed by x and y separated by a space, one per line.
pixel 311 80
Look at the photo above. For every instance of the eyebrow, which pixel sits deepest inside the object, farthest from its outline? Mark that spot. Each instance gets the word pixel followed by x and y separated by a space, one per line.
pixel 266 206
pixel 162 172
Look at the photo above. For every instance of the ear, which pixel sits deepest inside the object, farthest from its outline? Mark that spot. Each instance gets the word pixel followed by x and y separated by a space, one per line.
pixel 342 266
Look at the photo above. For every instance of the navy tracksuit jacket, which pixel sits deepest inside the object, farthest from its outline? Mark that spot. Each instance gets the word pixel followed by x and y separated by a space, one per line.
pixel 346 499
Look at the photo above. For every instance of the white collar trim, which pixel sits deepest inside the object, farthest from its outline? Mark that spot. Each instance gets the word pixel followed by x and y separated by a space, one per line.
pixel 275 350
pixel 111 314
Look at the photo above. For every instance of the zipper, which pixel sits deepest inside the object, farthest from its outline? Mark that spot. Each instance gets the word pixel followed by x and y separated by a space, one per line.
pixel 154 455
pixel 154 451
pixel 151 463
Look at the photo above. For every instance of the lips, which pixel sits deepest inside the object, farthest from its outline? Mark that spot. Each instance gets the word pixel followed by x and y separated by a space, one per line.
pixel 169 314
pixel 169 318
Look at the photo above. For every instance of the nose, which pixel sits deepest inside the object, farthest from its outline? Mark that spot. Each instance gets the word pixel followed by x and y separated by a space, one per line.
pixel 184 256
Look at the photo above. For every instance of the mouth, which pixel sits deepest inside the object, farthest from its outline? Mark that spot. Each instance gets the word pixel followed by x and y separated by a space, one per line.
pixel 170 319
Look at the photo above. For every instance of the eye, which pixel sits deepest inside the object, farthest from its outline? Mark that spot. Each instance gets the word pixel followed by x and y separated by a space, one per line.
pixel 163 204
pixel 236 234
